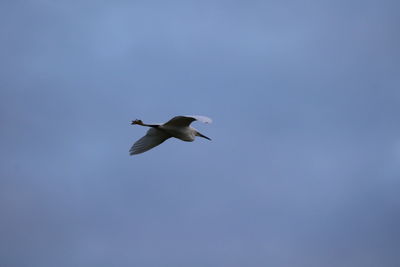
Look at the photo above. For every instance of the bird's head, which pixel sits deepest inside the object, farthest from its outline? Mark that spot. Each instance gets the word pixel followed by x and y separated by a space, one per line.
pixel 139 122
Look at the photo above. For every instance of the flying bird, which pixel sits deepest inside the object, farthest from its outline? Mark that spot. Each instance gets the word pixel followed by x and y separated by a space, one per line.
pixel 178 127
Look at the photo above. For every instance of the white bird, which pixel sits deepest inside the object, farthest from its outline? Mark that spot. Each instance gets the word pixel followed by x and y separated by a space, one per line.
pixel 178 127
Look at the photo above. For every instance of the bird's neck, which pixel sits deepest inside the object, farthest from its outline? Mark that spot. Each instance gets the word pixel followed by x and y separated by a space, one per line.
pixel 151 125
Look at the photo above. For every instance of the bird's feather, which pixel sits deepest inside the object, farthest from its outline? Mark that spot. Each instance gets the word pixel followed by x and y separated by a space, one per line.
pixel 182 121
pixel 153 138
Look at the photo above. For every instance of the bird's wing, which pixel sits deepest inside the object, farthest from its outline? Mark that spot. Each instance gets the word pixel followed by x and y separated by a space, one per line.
pixel 152 138
pixel 187 120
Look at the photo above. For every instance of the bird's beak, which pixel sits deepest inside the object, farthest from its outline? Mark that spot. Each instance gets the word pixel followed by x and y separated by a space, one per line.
pixel 199 134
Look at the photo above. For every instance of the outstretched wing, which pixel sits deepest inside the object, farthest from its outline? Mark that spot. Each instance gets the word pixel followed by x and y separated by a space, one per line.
pixel 152 138
pixel 182 121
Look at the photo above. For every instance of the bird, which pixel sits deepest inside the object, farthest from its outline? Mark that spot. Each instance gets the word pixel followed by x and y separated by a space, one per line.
pixel 178 127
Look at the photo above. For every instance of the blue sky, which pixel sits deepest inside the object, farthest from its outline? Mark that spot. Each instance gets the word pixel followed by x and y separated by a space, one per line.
pixel 304 165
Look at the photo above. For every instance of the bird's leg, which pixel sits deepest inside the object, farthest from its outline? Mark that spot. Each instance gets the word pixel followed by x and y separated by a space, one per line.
pixel 201 135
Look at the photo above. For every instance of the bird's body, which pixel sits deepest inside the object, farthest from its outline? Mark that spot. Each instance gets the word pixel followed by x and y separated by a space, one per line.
pixel 178 127
pixel 187 134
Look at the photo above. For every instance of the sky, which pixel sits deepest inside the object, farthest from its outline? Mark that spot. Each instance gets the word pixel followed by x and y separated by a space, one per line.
pixel 304 164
